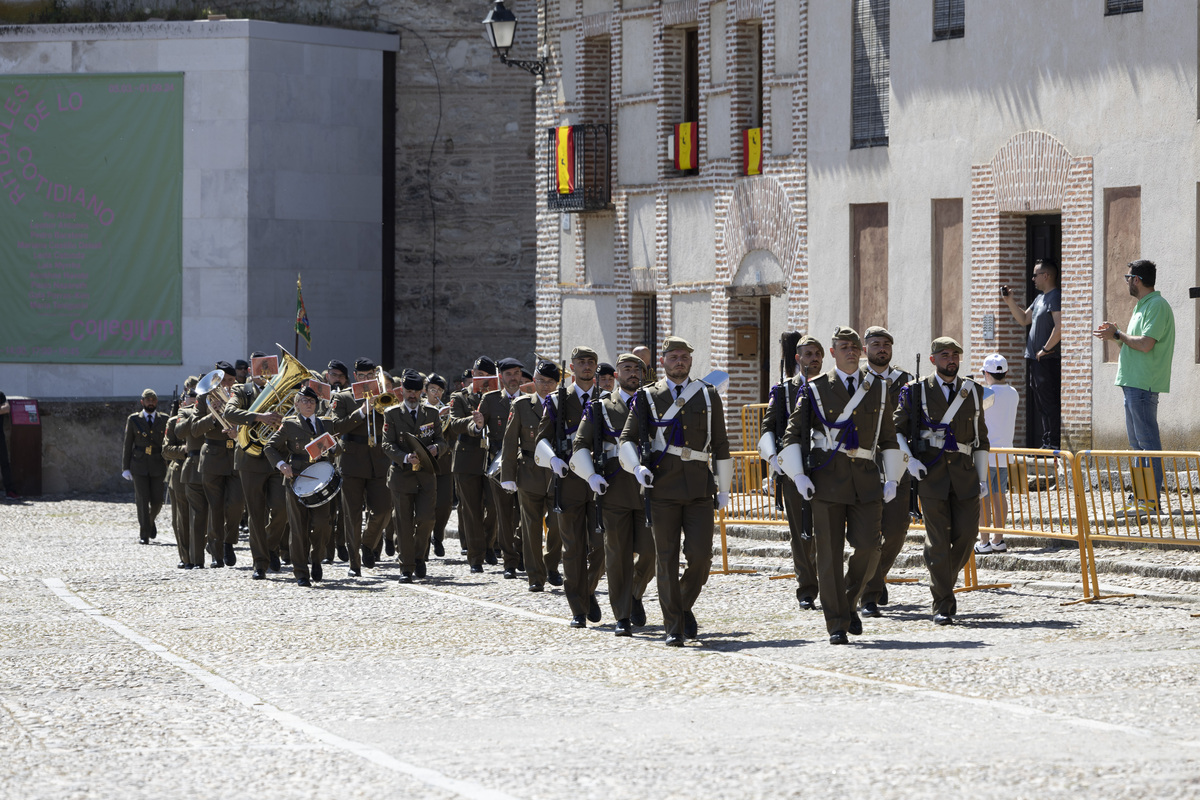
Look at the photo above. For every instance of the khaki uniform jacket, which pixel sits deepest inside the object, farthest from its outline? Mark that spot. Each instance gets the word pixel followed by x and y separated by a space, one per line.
pixel 193 442
pixel 470 457
pixel 358 460
pixel 216 457
pixel 495 407
pixel 288 443
pixel 397 422
pixel 574 489
pixel 844 479
pixel 242 396
pixel 139 435
pixel 953 469
pixel 446 457
pixel 174 448
pixel 894 389
pixel 623 489
pixel 676 480
pixel 776 417
pixel 520 438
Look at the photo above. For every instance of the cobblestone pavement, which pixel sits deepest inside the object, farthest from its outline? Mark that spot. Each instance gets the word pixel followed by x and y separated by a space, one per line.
pixel 124 677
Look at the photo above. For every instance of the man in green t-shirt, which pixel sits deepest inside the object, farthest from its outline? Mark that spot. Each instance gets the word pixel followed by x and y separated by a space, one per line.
pixel 1144 363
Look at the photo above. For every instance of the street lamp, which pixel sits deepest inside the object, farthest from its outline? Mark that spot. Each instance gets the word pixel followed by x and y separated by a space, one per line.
pixel 500 26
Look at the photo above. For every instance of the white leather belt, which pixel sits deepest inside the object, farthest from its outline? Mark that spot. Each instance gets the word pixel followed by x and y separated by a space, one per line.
pixel 687 453
pixel 610 450
pixel 938 440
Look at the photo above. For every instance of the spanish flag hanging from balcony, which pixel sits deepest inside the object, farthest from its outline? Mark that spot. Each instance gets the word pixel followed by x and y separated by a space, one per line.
pixel 564 156
pixel 752 151
pixel 685 146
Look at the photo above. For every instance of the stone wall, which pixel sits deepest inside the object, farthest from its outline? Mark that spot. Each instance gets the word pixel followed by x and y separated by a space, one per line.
pixel 81 444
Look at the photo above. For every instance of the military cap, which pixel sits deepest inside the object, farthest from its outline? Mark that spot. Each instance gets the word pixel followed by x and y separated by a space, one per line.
pixel 413 380
pixel 629 358
pixel 242 363
pixel 485 364
pixel 149 393
pixel 308 391
pixel 526 375
pixel 548 369
pixel 676 343
pixel 845 334
pixel 606 368
pixel 258 354
pixel 509 363
pixel 583 351
pixel 807 340
pixel 338 365
pixel 945 343
pixel 364 364
pixel 436 380
pixel 877 330
pixel 226 367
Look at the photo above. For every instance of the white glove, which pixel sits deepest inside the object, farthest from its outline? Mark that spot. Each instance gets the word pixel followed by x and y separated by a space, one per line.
pixel 983 489
pixel 597 483
pixel 722 500
pixel 644 476
pixel 558 467
pixel 773 463
pixel 127 475
pixel 889 491
pixel 917 469
pixel 805 485
pixel 509 486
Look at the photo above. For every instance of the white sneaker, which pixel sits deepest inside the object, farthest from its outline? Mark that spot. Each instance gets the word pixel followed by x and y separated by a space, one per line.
pixel 983 548
pixel 999 547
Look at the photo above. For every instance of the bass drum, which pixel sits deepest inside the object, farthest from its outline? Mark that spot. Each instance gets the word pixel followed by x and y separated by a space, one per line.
pixel 317 485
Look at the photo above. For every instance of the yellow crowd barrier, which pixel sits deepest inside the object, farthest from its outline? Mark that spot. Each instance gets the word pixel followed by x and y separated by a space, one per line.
pixel 1125 504
pixel 752 417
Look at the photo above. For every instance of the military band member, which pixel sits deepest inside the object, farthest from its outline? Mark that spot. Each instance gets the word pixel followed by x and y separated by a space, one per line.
pixel 241 369
pixel 193 481
pixel 364 468
pixel 895 518
pixel 491 416
pixel 802 358
pixel 175 452
pixel 435 392
pixel 470 460
pixel 413 485
pixel 685 420
pixel 310 527
pixel 520 473
pixel 337 375
pixel 583 544
pixel 846 413
pixel 606 377
pixel 142 462
pixel 221 484
pixel 950 465
pixel 262 486
pixel 628 540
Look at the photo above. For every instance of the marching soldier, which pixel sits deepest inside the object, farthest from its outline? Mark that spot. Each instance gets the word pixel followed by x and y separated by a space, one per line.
pixel 262 486
pixel 310 527
pixel 470 455
pixel 490 418
pixel 364 468
pixel 802 359
pixel 628 540
pixel 583 544
pixel 175 451
pixel 895 519
pixel 846 413
pixel 142 462
pixel 193 481
pixel 520 473
pixel 949 459
pixel 412 482
pixel 435 390
pixel 678 423
pixel 221 485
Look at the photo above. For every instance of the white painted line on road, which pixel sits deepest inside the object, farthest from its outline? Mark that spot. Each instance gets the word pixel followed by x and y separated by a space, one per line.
pixel 1000 705
pixel 231 690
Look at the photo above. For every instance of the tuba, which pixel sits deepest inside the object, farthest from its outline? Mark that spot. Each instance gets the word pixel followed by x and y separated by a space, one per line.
pixel 278 396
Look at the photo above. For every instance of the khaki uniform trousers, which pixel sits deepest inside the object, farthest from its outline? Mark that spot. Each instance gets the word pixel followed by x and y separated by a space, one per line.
pixel 628 557
pixel 951 529
pixel 373 494
pixel 835 525
pixel 541 556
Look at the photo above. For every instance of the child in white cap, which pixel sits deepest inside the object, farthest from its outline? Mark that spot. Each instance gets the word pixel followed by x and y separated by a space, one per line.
pixel 1001 417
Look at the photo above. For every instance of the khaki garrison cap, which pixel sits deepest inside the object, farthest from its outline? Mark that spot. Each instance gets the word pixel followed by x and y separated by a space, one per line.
pixel 629 358
pixel 149 393
pixel 676 343
pixel 876 330
pixel 945 343
pixel 583 351
pixel 844 334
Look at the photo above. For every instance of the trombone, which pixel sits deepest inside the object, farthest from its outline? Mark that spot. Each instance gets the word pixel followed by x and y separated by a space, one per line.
pixel 211 383
pixel 383 399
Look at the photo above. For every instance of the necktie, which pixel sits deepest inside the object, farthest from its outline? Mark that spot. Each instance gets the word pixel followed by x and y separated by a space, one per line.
pixel 629 402
pixel 850 384
pixel 311 426
pixel 150 419
pixel 949 390
pixel 678 391
pixel 413 411
pixel 584 399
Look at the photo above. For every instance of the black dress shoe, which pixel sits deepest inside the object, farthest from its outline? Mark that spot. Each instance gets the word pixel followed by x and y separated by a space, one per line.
pixel 343 553
pixel 389 547
pixel 593 614
pixel 942 619
pixel 477 568
pixel 855 628
pixel 638 617
pixel 690 629
pixel 883 596
pixel 489 556
pixel 420 569
pixel 554 577
pixel 624 628
pixel 153 531
pixel 355 572
pixel 439 549
pixel 406 577
pixel 143 540
pixel 181 565
pixel 303 582
pixel 230 556
pixel 274 556
pixel 839 637
pixel 510 574
pixel 578 621
pixel 285 557
pixel 462 552
pixel 316 571
pixel 871 610
pixel 674 640
pixel 258 575
pixel 217 564
pixel 535 587
pixel 189 566
pixel 368 557
pixel 807 604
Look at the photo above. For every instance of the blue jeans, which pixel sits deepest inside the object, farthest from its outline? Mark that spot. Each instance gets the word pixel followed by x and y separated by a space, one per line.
pixel 1141 426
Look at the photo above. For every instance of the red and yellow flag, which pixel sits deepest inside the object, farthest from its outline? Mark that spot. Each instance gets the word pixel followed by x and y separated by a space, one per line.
pixel 752 156
pixel 564 156
pixel 686 156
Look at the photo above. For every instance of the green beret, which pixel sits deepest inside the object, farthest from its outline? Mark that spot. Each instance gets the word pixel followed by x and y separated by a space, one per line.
pixel 844 334
pixel 629 358
pixel 876 330
pixel 945 343
pixel 675 343
pixel 583 351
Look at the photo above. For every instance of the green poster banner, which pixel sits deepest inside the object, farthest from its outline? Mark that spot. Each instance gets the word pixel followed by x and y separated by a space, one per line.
pixel 91 216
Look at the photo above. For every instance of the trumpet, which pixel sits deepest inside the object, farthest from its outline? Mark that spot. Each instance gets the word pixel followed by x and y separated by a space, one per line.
pixel 211 384
pixel 383 399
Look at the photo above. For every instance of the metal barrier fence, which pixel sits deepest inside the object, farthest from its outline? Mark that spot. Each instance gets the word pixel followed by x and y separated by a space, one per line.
pixel 1126 501
pixel 752 417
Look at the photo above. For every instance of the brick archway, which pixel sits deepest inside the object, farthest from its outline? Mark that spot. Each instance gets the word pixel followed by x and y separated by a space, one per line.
pixel 1033 173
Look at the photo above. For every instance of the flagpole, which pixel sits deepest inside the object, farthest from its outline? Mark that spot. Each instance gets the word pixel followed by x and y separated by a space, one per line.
pixel 296 324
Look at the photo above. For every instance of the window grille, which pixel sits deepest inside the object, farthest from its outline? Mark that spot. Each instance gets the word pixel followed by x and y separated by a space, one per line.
pixel 949 19
pixel 1122 7
pixel 872 73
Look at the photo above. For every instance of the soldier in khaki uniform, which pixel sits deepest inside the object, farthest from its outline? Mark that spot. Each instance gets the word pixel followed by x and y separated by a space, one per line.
pixel 310 527
pixel 413 486
pixel 628 540
pixel 435 390
pixel 950 465
pixel 364 468
pixel 802 358
pixel 583 544
pixel 142 462
pixel 846 413
pixel 193 481
pixel 175 452
pixel 895 519
pixel 221 484
pixel 683 423
pixel 520 473
pixel 492 415
pixel 470 460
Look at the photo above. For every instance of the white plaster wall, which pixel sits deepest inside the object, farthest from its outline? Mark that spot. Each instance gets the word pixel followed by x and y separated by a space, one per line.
pixel 787 37
pixel 566 248
pixel 598 249
pixel 782 123
pixel 596 6
pixel 641 231
pixel 691 317
pixel 591 321
pixel 637 55
pixel 715 139
pixel 638 142
pixel 716 43
pixel 691 247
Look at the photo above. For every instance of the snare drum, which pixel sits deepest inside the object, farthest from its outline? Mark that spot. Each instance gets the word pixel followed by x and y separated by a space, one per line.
pixel 317 485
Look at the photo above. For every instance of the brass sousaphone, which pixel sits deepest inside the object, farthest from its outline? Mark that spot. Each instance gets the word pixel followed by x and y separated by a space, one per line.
pixel 277 396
